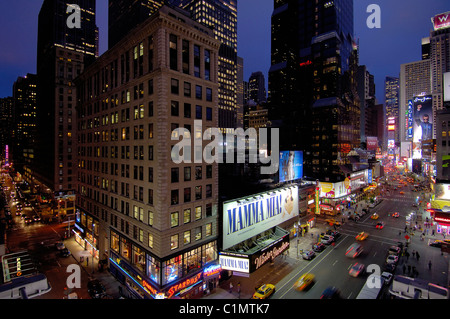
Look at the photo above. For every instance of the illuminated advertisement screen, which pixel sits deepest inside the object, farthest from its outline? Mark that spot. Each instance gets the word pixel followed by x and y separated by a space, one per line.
pixel 291 165
pixel 249 216
pixel 441 21
pixel 447 87
pixel 410 120
pixel 442 191
pixel 372 143
pixel 423 123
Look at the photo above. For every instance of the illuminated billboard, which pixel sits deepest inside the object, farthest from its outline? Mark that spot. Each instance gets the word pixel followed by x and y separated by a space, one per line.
pixel 423 123
pixel 291 166
pixel 447 87
pixel 442 191
pixel 249 216
pixel 441 21
pixel 372 143
pixel 410 120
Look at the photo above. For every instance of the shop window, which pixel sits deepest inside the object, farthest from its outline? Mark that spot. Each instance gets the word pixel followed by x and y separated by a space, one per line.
pixel 125 248
pixel 153 269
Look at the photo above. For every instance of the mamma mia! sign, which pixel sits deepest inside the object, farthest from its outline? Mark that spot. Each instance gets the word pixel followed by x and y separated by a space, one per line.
pixel 247 217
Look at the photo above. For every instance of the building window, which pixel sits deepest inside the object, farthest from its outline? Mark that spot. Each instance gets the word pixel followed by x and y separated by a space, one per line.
pixel 174 199
pixel 207 65
pixel 173 52
pixel 197 61
pixel 174 108
pixel 187 215
pixel 198 92
pixel 209 114
pixel 187 237
pixel 198 112
pixel 187 174
pixel 187 110
pixel 187 89
pixel 175 175
pixel 150 221
pixel 198 213
pixel 174 242
pixel 174 86
pixel 174 219
pixel 187 195
pixel 198 192
pixel 208 229
pixel 185 57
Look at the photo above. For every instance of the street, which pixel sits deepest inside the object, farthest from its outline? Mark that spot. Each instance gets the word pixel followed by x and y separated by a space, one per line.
pixel 331 267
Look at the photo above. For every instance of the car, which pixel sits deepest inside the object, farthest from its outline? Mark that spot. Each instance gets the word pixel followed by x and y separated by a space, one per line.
pixel 387 276
pixel 331 293
pixel 318 247
pixel 374 216
pixel 64 252
pixel 27 220
pixel 332 222
pixel 36 218
pixel 305 281
pixel 264 292
pixel 390 267
pixel 308 255
pixel 327 239
pixel 354 250
pixel 379 225
pixel 60 245
pixel 95 289
pixel 395 215
pixel 395 250
pixel 392 259
pixel 362 236
pixel 356 270
pixel 436 243
pixel 402 193
pixel 333 233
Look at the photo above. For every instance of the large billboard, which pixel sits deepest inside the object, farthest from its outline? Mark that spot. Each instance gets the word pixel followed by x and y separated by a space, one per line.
pixel 441 21
pixel 442 191
pixel 423 123
pixel 447 87
pixel 249 216
pixel 372 143
pixel 291 165
pixel 410 120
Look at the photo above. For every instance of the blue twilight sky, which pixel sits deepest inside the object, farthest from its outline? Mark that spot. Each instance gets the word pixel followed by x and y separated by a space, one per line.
pixel 403 24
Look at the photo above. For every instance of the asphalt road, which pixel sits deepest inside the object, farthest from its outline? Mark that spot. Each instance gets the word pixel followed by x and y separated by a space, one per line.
pixel 331 267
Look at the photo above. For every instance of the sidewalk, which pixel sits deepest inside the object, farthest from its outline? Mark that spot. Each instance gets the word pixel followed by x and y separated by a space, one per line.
pixel 90 267
pixel 269 273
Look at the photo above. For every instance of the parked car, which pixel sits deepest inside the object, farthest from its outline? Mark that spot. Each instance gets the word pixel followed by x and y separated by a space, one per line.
pixel 392 259
pixel 394 250
pixel 27 220
pixel 96 289
pixel 36 218
pixel 374 216
pixel 318 247
pixel 387 276
pixel 327 239
pixel 60 245
pixel 64 252
pixel 308 255
pixel 333 233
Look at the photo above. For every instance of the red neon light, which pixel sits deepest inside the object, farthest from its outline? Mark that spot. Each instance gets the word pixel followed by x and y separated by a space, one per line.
pixel 306 63
pixel 188 282
pixel 443 220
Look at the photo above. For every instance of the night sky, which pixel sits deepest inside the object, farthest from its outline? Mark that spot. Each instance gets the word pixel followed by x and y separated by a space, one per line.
pixel 403 24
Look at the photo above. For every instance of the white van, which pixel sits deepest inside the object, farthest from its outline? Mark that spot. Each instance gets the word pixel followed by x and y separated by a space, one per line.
pixel 354 250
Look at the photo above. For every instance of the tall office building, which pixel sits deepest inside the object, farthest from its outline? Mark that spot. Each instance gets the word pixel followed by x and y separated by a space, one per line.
pixel 153 217
pixel 24 119
pixel 62 53
pixel 366 93
pixel 312 82
pixel 415 80
pixel 219 15
pixel 439 59
pixel 257 87
pixel 392 101
pixel 6 122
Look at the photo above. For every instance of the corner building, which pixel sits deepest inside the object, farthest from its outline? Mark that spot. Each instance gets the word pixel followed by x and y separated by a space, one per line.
pixel 154 221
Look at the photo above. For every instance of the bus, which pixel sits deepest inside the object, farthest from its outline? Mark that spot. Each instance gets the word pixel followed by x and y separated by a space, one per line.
pixel 372 288
pixel 414 288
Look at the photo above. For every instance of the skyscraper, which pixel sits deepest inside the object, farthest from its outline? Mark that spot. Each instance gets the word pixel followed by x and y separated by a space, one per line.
pixel 392 101
pixel 24 119
pixel 153 217
pixel 257 87
pixel 62 54
pixel 219 15
pixel 312 82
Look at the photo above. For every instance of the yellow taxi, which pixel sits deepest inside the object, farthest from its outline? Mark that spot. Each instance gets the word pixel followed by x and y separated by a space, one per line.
pixel 264 292
pixel 332 222
pixel 304 281
pixel 374 216
pixel 402 193
pixel 362 236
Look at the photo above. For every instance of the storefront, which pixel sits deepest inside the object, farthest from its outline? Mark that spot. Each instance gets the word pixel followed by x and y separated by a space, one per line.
pixel 86 232
pixel 146 276
pixel 442 221
pixel 253 259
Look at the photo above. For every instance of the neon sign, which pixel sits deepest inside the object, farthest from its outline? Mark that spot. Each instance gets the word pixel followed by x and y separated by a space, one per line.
pixel 212 270
pixel 441 21
pixel 306 63
pixel 185 284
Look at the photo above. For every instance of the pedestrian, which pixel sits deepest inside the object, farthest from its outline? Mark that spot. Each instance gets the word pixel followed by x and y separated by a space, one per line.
pixel 407 255
pixel 417 255
pixel 409 269
pixel 429 265
pixel 404 268
pixel 414 253
pixel 406 228
pixel 231 287
pixel 432 232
